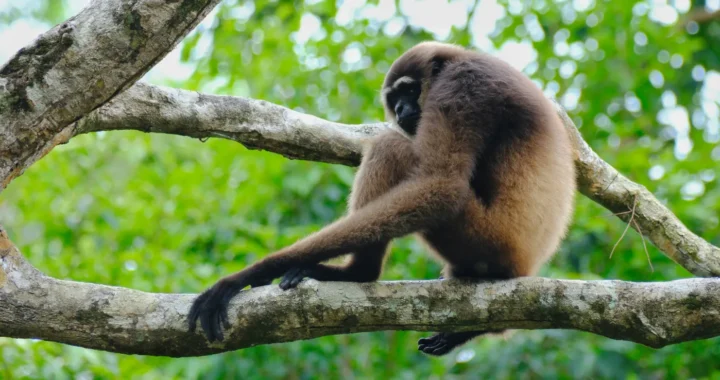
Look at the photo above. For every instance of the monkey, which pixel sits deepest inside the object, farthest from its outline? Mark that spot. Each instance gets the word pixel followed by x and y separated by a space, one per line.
pixel 477 164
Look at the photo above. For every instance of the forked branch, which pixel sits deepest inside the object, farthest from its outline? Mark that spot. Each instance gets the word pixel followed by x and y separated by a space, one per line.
pixel 79 65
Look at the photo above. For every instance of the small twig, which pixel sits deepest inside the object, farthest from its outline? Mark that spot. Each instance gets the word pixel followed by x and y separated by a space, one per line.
pixel 647 254
pixel 617 213
pixel 639 230
pixel 632 216
pixel 610 184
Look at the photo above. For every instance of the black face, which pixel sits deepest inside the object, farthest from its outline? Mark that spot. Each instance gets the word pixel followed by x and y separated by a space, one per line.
pixel 403 99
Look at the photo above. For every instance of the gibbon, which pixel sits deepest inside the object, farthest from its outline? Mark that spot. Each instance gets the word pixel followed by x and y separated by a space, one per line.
pixel 477 164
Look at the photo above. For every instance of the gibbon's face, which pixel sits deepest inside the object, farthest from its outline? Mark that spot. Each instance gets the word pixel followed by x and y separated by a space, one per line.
pixel 409 79
pixel 402 102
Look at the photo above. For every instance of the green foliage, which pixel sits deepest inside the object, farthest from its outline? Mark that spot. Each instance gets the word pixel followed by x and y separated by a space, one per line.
pixel 170 214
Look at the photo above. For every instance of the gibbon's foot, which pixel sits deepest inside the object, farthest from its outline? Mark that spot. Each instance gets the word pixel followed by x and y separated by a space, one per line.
pixel 211 306
pixel 442 343
pixel 293 278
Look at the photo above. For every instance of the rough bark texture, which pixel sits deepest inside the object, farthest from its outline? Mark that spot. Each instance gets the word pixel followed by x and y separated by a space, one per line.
pixel 262 125
pixel 129 321
pixel 79 65
pixel 256 124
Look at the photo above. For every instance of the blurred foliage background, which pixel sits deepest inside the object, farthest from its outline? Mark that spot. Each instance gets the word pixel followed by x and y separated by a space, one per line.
pixel 171 214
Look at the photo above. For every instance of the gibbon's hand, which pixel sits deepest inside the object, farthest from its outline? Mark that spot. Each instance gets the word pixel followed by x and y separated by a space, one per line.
pixel 211 306
pixel 293 277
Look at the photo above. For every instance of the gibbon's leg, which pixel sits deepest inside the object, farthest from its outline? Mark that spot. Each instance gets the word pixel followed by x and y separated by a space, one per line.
pixel 418 203
pixel 386 164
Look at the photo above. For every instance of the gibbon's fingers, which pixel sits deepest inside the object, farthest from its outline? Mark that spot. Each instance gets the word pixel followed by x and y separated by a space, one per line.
pixel 211 306
pixel 292 278
pixel 410 207
pixel 365 266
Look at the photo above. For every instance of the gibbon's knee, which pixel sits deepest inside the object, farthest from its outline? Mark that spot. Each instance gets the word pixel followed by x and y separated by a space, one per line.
pixel 391 146
pixel 390 153
pixel 385 164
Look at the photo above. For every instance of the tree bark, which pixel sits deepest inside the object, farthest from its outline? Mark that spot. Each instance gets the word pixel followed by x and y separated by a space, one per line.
pixel 79 65
pixel 133 322
pixel 67 83
pixel 256 124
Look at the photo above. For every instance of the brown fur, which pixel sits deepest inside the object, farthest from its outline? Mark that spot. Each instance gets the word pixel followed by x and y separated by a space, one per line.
pixel 485 177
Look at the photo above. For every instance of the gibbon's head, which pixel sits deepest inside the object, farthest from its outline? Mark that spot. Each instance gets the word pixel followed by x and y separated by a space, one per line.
pixel 409 78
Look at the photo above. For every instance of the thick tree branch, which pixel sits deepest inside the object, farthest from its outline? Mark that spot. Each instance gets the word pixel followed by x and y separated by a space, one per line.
pixel 256 124
pixel 133 322
pixel 79 65
pixel 602 183
pixel 262 125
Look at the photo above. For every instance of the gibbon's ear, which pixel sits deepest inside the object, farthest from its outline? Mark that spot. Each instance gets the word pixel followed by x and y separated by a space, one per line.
pixel 437 65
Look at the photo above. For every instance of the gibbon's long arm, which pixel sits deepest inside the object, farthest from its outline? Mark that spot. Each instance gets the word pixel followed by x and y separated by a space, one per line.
pixel 411 206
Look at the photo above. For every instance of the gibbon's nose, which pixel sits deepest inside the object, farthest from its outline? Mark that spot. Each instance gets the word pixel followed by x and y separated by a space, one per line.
pixel 403 110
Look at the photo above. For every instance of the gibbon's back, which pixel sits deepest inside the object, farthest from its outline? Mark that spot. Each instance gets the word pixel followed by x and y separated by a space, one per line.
pixel 536 179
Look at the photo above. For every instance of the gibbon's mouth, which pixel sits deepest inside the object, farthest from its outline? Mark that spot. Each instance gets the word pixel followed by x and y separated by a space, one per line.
pixel 409 123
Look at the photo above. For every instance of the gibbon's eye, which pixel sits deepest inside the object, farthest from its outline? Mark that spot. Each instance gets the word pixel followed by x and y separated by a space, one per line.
pixel 411 89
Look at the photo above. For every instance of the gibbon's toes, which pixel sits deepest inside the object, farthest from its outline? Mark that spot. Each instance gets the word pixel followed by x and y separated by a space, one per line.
pixel 436 345
pixel 210 308
pixel 292 278
pixel 442 343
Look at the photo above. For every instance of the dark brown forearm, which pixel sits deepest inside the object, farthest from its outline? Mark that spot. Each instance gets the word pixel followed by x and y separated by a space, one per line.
pixel 410 207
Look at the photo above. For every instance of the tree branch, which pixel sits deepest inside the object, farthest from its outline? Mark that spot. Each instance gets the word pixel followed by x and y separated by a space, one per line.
pixel 79 65
pixel 262 125
pixel 602 183
pixel 256 124
pixel 133 322
pixel 88 60
pixel 702 16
